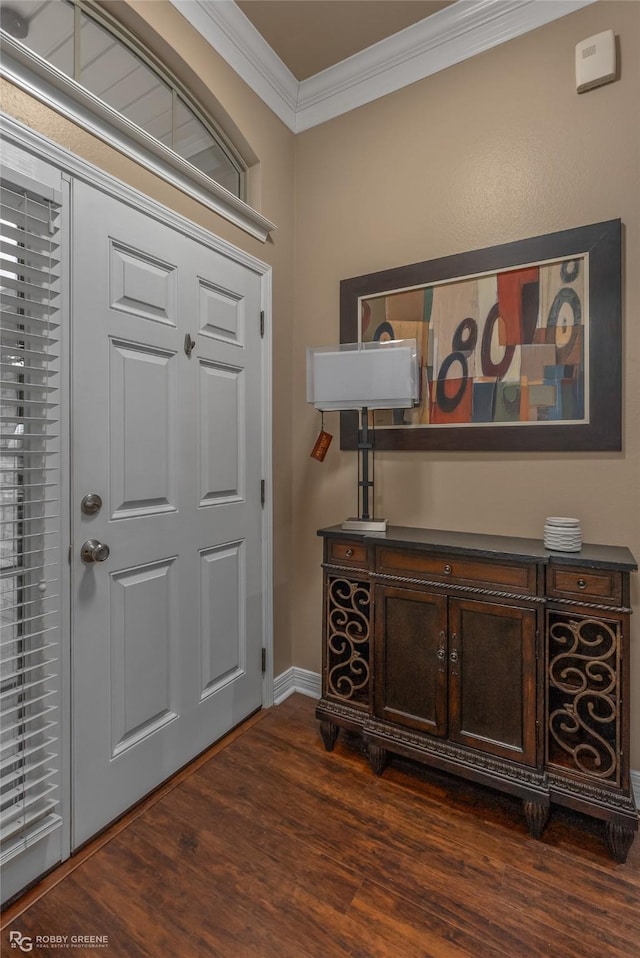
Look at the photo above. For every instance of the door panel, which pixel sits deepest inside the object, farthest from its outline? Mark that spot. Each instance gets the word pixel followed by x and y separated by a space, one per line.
pixel 221 314
pixel 143 614
pixel 223 598
pixel 142 286
pixel 167 631
pixel 143 429
pixel 222 463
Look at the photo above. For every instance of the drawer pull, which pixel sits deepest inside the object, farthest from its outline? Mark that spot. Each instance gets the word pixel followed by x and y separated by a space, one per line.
pixel 582 584
pixel 349 553
pixel 448 570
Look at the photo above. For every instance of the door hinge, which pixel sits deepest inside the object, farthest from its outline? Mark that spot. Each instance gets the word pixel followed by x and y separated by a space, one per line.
pixel 263 492
pixel 262 324
pixel 264 660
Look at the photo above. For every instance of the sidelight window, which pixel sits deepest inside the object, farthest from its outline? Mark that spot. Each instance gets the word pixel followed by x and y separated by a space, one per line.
pixel 29 518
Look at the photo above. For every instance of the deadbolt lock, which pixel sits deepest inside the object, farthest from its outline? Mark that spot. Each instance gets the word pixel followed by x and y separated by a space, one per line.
pixel 91 504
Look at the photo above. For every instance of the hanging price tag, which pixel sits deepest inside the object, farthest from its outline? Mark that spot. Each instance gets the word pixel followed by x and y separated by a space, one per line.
pixel 321 445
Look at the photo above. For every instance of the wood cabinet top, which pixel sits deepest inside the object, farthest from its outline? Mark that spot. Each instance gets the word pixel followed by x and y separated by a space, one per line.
pixel 591 555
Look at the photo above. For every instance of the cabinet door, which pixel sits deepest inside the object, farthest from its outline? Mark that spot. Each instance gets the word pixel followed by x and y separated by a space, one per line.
pixel 492 675
pixel 411 659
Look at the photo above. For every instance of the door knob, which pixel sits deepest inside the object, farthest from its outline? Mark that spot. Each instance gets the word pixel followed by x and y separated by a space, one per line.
pixel 94 551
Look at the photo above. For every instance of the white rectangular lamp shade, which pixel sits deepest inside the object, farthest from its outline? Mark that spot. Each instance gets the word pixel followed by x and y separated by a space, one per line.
pixel 357 375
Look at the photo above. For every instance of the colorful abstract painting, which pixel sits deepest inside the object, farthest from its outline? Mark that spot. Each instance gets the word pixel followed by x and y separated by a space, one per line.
pixel 509 347
pixel 520 344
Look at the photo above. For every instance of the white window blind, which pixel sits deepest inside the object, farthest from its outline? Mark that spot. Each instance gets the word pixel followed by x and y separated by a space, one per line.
pixel 29 518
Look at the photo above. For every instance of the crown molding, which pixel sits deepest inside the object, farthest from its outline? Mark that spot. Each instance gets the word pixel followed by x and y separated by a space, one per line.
pixel 450 36
pixel 225 27
pixel 457 32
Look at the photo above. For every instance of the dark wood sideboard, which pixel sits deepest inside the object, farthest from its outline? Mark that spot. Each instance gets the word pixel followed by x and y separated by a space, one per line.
pixel 488 657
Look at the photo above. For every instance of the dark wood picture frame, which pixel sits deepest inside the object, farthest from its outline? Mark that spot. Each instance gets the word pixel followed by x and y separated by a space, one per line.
pixel 602 243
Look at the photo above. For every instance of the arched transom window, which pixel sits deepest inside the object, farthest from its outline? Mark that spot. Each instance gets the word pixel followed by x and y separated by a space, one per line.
pixel 93 50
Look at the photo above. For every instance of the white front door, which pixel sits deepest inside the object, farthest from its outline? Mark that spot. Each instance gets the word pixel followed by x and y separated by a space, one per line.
pixel 166 430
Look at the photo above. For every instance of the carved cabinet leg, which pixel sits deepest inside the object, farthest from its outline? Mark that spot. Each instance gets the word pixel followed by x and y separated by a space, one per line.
pixel 378 758
pixel 537 815
pixel 619 841
pixel 329 733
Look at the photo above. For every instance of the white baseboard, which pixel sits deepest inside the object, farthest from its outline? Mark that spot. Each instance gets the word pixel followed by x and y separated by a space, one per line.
pixel 310 683
pixel 296 680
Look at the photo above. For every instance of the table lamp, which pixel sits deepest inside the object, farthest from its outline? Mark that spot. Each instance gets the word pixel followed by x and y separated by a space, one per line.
pixel 363 377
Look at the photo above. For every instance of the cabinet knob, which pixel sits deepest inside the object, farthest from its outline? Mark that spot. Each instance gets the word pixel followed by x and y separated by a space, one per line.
pixel 441 654
pixel 349 553
pixel 447 569
pixel 454 655
pixel 582 584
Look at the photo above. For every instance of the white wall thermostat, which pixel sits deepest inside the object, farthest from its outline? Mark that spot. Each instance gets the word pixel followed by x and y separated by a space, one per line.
pixel 595 61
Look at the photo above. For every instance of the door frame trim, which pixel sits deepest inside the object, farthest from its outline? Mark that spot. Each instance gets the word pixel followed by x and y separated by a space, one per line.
pixel 13 131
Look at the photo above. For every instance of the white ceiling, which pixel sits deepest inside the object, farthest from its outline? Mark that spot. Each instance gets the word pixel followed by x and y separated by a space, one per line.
pixel 454 33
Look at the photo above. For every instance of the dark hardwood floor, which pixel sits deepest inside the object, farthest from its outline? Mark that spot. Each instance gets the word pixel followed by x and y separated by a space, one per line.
pixel 273 848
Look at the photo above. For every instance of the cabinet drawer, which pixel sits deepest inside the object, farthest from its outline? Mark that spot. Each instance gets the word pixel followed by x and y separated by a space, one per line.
pixel 458 570
pixel 347 552
pixel 574 582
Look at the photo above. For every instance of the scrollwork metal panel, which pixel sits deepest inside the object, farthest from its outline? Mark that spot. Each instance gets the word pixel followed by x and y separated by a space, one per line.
pixel 584 722
pixel 348 640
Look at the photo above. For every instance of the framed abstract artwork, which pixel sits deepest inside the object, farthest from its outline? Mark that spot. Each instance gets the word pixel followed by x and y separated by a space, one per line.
pixel 520 345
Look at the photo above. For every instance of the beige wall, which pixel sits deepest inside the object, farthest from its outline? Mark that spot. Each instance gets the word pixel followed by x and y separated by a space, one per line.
pixel 492 150
pixel 268 138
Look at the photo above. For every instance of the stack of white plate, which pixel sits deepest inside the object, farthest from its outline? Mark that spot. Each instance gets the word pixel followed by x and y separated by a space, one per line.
pixel 562 534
